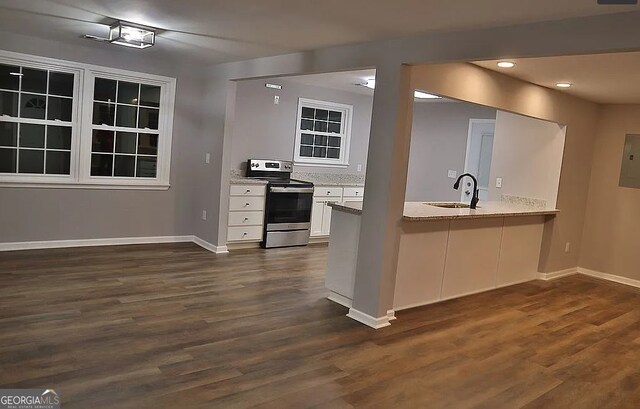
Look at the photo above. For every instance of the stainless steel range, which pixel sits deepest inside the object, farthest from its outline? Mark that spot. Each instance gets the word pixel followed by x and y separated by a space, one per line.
pixel 287 216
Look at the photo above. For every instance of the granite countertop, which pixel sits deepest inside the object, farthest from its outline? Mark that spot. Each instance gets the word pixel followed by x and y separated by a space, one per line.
pixel 241 180
pixel 419 211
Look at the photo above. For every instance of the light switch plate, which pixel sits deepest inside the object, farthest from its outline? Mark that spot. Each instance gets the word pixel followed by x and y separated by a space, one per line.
pixel 498 182
pixel 452 174
pixel 276 99
pixel 359 167
pixel 207 158
pixel 204 215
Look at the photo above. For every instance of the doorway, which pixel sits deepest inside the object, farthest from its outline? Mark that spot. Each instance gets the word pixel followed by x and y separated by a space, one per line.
pixel 478 157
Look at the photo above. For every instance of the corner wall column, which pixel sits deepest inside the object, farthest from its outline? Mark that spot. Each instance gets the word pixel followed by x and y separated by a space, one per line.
pixel 387 164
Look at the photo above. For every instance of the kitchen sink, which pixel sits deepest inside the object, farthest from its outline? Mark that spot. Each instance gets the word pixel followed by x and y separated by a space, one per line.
pixel 452 205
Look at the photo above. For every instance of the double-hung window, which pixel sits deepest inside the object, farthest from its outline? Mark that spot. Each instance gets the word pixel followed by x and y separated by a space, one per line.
pixel 74 125
pixel 323 133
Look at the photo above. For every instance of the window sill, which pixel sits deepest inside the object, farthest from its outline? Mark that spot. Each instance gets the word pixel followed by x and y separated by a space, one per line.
pixel 321 165
pixel 90 186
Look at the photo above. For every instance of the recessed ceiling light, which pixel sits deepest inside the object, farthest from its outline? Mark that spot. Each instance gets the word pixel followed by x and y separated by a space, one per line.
pixel 563 85
pixel 506 64
pixel 371 83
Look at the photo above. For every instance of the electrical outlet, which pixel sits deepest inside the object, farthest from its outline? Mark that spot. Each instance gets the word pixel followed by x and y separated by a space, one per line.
pixel 452 174
pixel 207 158
pixel 498 182
pixel 276 99
pixel 359 167
pixel 204 215
pixel 567 247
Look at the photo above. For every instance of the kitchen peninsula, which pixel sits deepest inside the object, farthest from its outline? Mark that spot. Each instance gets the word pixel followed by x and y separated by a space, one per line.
pixel 445 251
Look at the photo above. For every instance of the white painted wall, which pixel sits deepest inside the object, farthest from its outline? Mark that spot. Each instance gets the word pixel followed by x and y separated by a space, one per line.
pixel 527 155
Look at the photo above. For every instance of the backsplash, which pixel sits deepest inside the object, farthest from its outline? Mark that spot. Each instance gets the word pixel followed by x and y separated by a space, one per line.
pixel 525 201
pixel 317 178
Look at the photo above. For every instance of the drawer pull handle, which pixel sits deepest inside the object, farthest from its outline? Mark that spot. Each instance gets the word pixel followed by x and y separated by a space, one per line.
pixel 244 234
pixel 247 204
pixel 248 191
pixel 328 192
pixel 246 218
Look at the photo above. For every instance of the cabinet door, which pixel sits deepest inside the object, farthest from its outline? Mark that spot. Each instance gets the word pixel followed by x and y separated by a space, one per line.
pixel 326 219
pixel 316 217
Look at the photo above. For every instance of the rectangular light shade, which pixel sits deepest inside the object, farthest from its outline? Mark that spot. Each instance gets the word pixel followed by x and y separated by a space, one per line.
pixel 131 36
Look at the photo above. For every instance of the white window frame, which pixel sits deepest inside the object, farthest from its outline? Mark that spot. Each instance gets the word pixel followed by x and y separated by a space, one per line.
pixel 81 135
pixel 345 137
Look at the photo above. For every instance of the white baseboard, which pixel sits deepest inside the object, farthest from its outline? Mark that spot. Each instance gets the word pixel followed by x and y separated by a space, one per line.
pixel 340 299
pixel 558 274
pixel 116 241
pixel 368 320
pixel 391 315
pixel 609 277
pixel 211 247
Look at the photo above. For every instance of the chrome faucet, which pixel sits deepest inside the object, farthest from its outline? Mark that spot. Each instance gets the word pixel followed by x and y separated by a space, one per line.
pixel 474 199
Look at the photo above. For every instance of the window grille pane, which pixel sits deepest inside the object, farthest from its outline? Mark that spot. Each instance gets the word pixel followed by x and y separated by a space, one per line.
pixel 306 125
pixel 308 112
pixel 101 165
pixel 31 136
pixel 60 108
pixel 149 118
pixel 321 140
pixel 320 126
pixel 33 106
pixel 306 151
pixel 58 137
pixel 61 84
pixel 335 141
pixel 335 116
pixel 34 80
pixel 126 116
pixel 124 166
pixel 8 134
pixel 333 153
pixel 126 142
pixel 58 163
pixel 7 80
pixel 104 90
pixel 102 141
pixel 9 103
pixel 322 114
pixel 8 160
pixel 306 139
pixel 104 114
pixel 128 92
pixel 149 95
pixel 147 144
pixel 30 161
pixel 146 167
pixel 319 152
pixel 334 127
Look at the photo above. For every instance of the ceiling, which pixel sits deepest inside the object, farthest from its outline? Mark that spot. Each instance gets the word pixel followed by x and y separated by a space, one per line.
pixel 229 30
pixel 349 81
pixel 603 78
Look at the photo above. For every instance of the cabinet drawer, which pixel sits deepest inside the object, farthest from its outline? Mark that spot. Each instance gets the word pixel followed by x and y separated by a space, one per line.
pixel 239 233
pixel 246 203
pixel 246 218
pixel 353 192
pixel 248 190
pixel 328 191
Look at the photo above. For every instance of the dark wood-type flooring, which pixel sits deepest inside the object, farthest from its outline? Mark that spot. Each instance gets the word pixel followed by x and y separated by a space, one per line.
pixel 174 326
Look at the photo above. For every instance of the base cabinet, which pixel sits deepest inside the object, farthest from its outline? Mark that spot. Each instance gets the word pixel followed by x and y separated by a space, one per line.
pixel 321 213
pixel 246 213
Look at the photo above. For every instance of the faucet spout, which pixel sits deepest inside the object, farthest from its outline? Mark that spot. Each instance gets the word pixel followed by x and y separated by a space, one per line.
pixel 474 199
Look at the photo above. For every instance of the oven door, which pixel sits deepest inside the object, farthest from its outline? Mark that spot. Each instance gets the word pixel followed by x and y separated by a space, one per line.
pixel 289 208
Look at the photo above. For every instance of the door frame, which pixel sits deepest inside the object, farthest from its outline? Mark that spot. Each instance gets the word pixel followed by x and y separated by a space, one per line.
pixel 472 121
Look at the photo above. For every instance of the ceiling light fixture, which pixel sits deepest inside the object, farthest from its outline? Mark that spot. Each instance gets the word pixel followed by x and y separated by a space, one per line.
pixel 371 84
pixel 563 85
pixel 506 64
pixel 128 35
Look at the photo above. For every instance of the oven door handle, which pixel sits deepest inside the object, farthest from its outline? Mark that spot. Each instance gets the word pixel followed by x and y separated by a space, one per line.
pixel 291 189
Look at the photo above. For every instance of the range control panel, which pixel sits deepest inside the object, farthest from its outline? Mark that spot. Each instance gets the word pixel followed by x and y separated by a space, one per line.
pixel 267 165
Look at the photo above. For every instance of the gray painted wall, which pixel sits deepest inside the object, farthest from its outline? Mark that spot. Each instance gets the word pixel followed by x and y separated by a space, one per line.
pixel 438 144
pixel 265 130
pixel 29 214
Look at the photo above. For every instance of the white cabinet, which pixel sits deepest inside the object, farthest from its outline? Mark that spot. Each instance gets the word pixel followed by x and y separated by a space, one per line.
pixel 321 213
pixel 246 213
